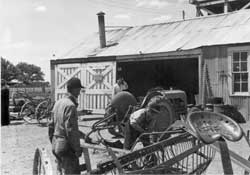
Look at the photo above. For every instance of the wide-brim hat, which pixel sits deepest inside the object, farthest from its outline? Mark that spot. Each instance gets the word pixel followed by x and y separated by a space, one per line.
pixel 74 83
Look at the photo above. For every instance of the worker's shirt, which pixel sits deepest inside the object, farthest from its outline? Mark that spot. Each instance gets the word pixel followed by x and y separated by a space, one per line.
pixel 141 119
pixel 118 88
pixel 65 121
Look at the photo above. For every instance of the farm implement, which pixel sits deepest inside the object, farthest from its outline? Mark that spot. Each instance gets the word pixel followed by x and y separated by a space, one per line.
pixel 32 110
pixel 182 142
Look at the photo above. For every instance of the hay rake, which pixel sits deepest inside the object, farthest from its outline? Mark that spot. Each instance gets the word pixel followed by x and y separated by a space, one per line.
pixel 181 153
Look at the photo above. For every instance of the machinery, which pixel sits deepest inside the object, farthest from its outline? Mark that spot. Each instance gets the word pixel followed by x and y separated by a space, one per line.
pixel 173 106
pixel 178 101
pixel 186 142
pixel 188 149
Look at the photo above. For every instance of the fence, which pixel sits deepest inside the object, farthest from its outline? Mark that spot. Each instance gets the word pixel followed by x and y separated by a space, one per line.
pixel 33 91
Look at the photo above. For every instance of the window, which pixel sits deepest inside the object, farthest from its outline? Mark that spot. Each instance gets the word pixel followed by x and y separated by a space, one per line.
pixel 240 72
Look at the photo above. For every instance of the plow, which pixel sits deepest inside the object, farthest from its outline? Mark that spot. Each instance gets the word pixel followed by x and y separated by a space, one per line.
pixel 181 142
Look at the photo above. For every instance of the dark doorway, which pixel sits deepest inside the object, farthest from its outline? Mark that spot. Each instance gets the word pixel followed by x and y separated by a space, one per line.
pixel 175 73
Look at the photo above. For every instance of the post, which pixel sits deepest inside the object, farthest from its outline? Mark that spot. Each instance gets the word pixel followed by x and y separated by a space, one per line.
pixel 226 6
pixel 201 62
pixel 248 135
pixel 52 80
pixel 225 157
pixel 204 84
pixel 86 158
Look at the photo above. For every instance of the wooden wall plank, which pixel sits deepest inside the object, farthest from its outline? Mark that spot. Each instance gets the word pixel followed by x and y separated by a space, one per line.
pixel 217 59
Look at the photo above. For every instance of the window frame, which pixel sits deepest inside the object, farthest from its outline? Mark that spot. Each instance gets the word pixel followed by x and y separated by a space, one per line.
pixel 231 51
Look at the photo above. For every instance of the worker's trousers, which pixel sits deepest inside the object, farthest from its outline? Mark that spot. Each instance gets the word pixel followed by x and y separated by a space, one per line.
pixel 67 161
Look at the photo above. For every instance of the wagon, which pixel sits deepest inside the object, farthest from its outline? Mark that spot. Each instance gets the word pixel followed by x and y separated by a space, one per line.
pixel 30 109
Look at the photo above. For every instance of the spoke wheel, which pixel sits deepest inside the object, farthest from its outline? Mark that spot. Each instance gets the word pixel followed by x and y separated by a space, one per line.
pixel 41 163
pixel 42 111
pixel 28 112
pixel 165 117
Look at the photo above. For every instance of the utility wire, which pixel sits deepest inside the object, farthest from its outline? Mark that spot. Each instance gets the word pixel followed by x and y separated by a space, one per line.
pixel 127 7
pixel 132 7
pixel 143 8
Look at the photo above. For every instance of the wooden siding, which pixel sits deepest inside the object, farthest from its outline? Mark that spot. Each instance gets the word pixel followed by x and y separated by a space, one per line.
pixel 216 59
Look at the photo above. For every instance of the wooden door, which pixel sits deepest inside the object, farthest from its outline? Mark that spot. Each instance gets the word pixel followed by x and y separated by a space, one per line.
pixel 63 73
pixel 99 79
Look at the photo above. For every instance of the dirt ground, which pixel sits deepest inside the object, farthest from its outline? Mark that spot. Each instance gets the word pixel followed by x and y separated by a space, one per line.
pixel 19 141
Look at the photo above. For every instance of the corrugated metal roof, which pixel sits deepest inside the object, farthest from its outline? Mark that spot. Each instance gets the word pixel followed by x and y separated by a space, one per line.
pixel 221 29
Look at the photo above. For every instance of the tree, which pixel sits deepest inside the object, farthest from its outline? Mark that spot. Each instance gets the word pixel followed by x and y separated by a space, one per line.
pixel 8 70
pixel 29 73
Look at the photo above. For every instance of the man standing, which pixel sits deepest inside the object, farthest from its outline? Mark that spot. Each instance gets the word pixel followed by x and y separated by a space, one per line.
pixel 63 130
pixel 120 86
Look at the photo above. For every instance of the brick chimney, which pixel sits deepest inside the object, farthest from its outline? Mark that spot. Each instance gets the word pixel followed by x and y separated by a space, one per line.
pixel 102 34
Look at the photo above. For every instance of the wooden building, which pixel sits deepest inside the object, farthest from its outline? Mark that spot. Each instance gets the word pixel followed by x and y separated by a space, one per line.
pixel 212 7
pixel 207 53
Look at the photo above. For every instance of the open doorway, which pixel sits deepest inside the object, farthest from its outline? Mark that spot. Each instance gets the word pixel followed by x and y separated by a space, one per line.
pixel 175 73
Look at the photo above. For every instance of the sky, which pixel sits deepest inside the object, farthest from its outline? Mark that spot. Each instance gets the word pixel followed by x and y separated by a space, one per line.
pixel 37 31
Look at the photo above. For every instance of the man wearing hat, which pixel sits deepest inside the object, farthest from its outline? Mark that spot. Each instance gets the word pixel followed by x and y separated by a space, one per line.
pixel 63 130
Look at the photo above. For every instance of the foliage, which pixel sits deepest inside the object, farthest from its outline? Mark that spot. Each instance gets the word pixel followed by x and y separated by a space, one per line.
pixel 29 73
pixel 23 72
pixel 8 70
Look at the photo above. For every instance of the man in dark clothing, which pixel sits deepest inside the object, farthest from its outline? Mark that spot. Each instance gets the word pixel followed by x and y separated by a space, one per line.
pixel 63 130
pixel 5 116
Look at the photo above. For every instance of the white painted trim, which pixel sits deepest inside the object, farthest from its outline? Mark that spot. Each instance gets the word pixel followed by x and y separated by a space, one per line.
pixel 61 72
pixel 69 77
pixel 99 92
pixel 200 63
pixel 90 70
pixel 107 70
pixel 61 91
pixel 230 76
pixel 107 84
pixel 68 65
pixel 240 94
pixel 230 81
pixel 91 85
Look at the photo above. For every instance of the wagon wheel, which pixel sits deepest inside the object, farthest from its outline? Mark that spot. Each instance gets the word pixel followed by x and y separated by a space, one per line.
pixel 27 112
pixel 43 110
pixel 165 116
pixel 41 163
